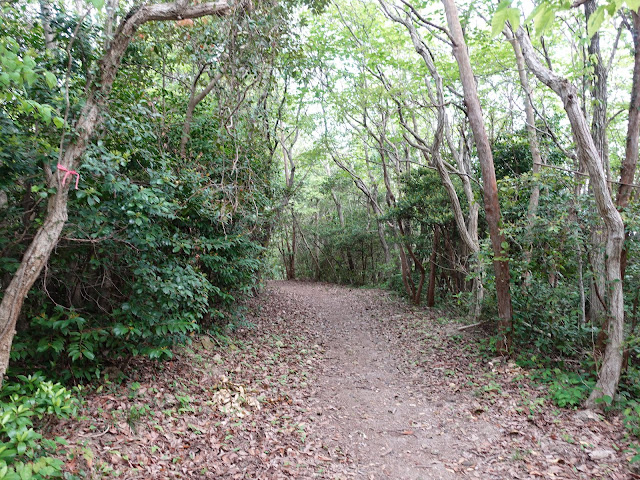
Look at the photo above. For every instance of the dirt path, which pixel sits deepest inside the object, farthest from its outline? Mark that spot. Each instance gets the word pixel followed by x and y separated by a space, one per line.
pixel 406 396
pixel 328 382
pixel 385 419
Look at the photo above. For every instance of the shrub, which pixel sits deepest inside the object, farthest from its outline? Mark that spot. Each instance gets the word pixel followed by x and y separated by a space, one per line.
pixel 31 402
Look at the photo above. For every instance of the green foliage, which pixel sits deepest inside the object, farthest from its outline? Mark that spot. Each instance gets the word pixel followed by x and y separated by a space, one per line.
pixel 503 13
pixel 631 417
pixel 546 293
pixel 511 155
pixel 170 256
pixel 569 389
pixel 158 246
pixel 543 16
pixel 24 453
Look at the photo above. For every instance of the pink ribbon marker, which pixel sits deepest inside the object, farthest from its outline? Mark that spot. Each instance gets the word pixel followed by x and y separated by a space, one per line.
pixel 67 174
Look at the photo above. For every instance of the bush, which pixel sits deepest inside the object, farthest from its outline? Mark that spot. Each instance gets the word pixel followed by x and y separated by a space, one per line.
pixel 24 453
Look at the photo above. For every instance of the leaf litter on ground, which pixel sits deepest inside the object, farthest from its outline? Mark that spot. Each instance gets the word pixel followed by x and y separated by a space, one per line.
pixel 248 409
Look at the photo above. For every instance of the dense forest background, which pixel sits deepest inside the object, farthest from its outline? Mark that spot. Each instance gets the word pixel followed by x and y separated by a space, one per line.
pixel 159 161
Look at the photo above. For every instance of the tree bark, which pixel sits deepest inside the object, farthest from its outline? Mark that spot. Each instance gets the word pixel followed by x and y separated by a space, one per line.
pixel 45 19
pixel 432 152
pixel 111 10
pixel 336 200
pixel 46 238
pixel 316 239
pixel 609 375
pixel 490 187
pixel 468 229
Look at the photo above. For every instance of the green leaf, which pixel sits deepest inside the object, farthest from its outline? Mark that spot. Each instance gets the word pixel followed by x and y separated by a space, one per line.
pixel 595 21
pixel 97 3
pixel 513 15
pixel 45 113
pixel 51 79
pixel 26 473
pixel 58 122
pixel 543 18
pixel 497 22
pixel 500 17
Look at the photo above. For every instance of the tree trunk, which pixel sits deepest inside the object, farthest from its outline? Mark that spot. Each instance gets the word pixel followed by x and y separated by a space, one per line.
pixel 46 238
pixel 291 251
pixel 336 201
pixel 32 263
pixel 609 375
pixel 111 10
pixel 468 229
pixel 431 292
pixel 491 205
pixel 316 239
pixel 45 19
pixel 598 92
pixel 534 198
pixel 628 169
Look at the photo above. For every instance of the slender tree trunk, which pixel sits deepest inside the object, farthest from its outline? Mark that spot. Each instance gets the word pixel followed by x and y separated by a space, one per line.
pixel 406 271
pixel 534 198
pixel 491 205
pixel 421 270
pixel 45 19
pixel 111 10
pixel 306 244
pixel 46 238
pixel 431 292
pixel 383 241
pixel 598 92
pixel 609 375
pixel 292 247
pixel 340 212
pixel 316 239
pixel 628 169
pixel 468 229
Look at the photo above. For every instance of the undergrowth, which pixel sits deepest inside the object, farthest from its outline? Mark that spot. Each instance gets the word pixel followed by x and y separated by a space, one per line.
pixel 28 404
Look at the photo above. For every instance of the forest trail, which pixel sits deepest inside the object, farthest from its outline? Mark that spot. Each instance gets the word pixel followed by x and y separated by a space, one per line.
pixel 392 423
pixel 335 383
pixel 400 396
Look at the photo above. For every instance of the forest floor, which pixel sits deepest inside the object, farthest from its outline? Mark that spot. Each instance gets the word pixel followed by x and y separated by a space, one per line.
pixel 336 383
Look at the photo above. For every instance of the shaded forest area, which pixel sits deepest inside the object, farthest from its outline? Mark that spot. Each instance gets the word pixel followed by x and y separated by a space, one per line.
pixel 159 161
